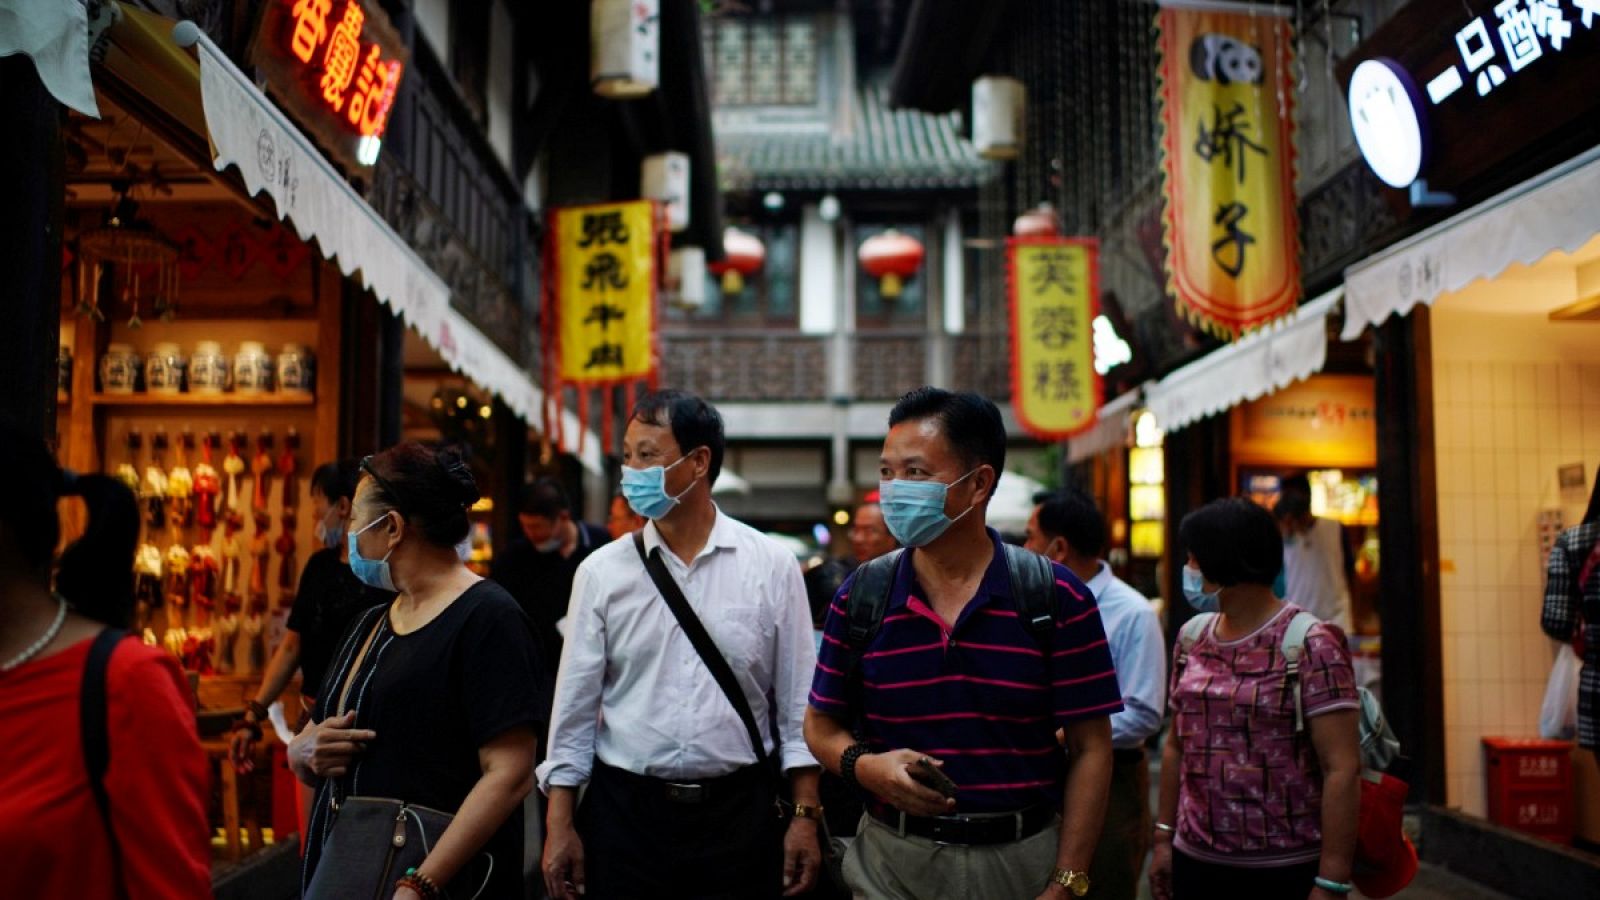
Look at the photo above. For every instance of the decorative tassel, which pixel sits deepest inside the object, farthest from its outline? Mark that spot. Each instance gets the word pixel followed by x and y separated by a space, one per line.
pixel 608 442
pixel 583 417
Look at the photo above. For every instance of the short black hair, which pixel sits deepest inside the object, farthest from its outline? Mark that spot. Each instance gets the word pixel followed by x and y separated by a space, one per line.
pixel 971 423
pixel 430 484
pixel 543 497
pixel 1294 497
pixel 1235 541
pixel 336 480
pixel 1072 515
pixel 694 423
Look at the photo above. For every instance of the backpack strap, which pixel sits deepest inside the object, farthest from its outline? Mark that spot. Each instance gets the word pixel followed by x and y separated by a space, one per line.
pixel 869 599
pixel 1191 633
pixel 1293 648
pixel 95 733
pixel 1033 586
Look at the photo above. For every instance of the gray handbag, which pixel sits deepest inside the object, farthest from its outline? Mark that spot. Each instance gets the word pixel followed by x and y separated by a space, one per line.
pixel 373 841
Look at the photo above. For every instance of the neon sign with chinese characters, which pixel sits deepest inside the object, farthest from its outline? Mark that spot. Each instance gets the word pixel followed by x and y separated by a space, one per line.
pixel 337 65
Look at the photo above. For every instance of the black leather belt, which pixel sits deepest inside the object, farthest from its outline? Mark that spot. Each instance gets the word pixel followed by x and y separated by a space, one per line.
pixel 1128 755
pixel 972 830
pixel 739 781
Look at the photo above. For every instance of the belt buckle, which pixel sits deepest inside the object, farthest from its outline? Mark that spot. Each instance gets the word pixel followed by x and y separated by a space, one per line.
pixel 685 793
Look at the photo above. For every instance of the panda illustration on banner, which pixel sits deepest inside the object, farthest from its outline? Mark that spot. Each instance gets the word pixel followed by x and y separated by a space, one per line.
pixel 1225 60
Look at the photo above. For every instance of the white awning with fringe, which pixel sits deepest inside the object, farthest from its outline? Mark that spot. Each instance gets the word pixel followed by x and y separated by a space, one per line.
pixel 1287 350
pixel 249 132
pixel 1110 431
pixel 1557 210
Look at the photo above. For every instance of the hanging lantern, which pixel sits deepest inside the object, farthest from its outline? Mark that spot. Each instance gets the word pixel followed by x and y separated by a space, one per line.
pixel 664 178
pixel 1040 221
pixel 998 102
pixel 686 277
pixel 624 47
pixel 891 257
pixel 745 257
pixel 143 264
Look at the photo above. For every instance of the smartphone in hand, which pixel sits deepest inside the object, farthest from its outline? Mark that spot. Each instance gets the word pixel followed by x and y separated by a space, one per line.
pixel 931 775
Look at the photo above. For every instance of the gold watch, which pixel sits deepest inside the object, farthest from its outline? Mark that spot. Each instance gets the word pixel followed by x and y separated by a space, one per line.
pixel 802 811
pixel 1076 883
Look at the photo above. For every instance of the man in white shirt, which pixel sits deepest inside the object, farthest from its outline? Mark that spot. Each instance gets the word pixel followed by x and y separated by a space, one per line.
pixel 1315 558
pixel 1067 527
pixel 677 802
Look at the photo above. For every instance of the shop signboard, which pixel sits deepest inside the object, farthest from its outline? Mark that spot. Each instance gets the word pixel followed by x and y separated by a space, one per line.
pixel 603 268
pixel 1326 419
pixel 1227 112
pixel 335 66
pixel 1054 285
pixel 1447 93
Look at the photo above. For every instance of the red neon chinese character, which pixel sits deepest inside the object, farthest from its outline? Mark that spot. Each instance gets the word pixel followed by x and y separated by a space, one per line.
pixel 310 27
pixel 344 51
pixel 374 94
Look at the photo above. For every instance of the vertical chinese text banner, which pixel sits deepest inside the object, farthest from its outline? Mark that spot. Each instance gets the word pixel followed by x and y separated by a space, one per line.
pixel 1054 288
pixel 1227 112
pixel 604 281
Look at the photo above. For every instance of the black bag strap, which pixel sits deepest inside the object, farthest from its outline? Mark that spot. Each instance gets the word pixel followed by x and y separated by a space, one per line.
pixel 869 599
pixel 1033 585
pixel 92 711
pixel 696 632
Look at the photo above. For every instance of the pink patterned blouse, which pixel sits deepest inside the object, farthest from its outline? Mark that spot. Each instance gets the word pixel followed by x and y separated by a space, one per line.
pixel 1250 790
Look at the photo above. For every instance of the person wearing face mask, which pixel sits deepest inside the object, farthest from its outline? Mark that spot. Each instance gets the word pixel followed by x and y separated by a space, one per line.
pixel 1249 806
pixel 431 699
pixel 328 599
pixel 948 715
pixel 538 567
pixel 681 783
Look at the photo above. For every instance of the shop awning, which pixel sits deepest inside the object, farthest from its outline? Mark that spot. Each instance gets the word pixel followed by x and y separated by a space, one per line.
pixel 1109 432
pixel 1554 211
pixel 272 155
pixel 1291 349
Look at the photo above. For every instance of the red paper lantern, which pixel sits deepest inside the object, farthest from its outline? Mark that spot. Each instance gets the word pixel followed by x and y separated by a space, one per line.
pixel 745 257
pixel 891 257
pixel 1037 222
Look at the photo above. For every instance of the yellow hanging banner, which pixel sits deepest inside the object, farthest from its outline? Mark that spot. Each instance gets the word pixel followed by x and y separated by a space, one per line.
pixel 1054 288
pixel 1227 112
pixel 603 268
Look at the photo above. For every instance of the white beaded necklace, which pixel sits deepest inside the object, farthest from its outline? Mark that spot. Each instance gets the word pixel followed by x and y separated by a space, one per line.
pixel 43 641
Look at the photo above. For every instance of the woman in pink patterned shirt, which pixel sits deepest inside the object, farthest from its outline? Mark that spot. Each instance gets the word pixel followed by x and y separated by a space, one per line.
pixel 1251 806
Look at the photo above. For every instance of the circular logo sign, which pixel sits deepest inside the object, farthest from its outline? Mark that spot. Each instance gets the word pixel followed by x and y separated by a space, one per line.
pixel 1386 114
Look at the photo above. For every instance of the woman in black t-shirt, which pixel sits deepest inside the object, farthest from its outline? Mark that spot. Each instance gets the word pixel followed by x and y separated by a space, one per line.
pixel 432 699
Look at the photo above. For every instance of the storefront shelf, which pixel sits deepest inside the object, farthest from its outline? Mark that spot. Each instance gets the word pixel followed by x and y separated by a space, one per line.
pixel 203 400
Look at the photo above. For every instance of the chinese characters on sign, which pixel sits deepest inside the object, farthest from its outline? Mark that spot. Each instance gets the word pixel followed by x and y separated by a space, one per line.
pixel 1227 110
pixel 354 75
pixel 1054 289
pixel 1525 31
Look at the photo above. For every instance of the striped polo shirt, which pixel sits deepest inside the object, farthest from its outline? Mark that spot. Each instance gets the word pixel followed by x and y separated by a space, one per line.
pixel 985 696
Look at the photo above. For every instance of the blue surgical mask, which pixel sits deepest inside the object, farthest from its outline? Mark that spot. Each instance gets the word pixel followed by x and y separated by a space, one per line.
pixel 646 490
pixel 370 572
pixel 1194 591
pixel 914 510
pixel 330 537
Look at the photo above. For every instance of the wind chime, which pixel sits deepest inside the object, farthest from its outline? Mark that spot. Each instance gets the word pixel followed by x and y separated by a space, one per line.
pixel 129 260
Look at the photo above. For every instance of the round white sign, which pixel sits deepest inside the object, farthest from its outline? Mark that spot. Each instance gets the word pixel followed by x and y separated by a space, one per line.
pixel 1388 121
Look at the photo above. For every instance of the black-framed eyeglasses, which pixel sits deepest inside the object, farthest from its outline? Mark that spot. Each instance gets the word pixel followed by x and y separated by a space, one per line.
pixel 394 495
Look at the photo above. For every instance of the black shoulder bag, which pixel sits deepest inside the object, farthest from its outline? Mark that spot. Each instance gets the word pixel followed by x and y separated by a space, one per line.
pixel 96 735
pixel 696 632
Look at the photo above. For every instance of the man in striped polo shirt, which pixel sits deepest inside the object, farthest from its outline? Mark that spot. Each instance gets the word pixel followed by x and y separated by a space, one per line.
pixel 954 681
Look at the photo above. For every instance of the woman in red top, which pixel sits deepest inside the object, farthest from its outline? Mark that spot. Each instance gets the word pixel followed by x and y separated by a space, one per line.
pixel 154 841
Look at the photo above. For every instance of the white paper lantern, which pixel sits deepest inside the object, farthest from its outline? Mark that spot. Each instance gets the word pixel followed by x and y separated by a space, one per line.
pixel 686 277
pixel 664 177
pixel 998 102
pixel 624 47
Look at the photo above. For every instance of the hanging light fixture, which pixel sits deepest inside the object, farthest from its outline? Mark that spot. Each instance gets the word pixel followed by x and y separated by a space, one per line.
pixel 745 255
pixel 998 104
pixel 624 47
pixel 891 257
pixel 1041 221
pixel 686 277
pixel 142 263
pixel 664 178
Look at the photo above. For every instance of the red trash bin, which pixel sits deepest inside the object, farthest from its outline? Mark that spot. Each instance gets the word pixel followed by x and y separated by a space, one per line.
pixel 1530 786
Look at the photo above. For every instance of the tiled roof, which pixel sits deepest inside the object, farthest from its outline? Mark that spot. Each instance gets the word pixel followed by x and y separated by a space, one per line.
pixel 891 149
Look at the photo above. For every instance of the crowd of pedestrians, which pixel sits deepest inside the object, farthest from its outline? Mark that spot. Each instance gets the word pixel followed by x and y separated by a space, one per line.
pixel 668 706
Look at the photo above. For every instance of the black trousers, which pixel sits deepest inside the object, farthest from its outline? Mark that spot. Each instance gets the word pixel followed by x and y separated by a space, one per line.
pixel 639 843
pixel 1193 879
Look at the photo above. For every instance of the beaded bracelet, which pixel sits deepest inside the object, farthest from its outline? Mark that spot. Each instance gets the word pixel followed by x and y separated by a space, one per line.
pixel 425 887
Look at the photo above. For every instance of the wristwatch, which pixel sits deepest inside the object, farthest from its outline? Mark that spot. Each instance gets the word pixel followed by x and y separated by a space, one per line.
pixel 1076 883
pixel 802 811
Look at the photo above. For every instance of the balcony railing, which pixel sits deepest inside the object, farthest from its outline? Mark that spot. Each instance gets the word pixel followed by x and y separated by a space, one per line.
pixel 748 366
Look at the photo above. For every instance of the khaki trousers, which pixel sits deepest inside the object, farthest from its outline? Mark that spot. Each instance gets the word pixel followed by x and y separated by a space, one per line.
pixel 882 865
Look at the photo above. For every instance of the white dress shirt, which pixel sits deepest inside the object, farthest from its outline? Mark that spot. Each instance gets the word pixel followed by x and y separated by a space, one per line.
pixel 633 692
pixel 1313 565
pixel 1139 653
